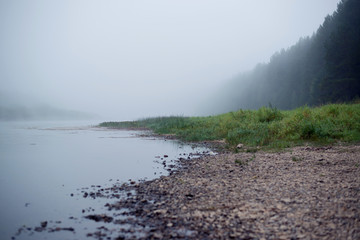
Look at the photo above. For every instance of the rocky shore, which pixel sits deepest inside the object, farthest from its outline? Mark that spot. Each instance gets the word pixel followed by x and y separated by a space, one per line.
pixel 301 193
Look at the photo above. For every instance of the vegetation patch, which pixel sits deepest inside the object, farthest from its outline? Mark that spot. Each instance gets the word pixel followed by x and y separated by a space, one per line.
pixel 266 127
pixel 296 159
pixel 240 162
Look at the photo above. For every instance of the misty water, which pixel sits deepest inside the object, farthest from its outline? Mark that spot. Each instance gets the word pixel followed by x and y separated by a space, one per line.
pixel 43 163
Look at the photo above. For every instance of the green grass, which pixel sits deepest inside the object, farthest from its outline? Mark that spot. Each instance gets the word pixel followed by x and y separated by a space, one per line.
pixel 266 127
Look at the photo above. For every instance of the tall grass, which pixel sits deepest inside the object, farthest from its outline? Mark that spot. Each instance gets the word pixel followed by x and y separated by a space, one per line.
pixel 266 126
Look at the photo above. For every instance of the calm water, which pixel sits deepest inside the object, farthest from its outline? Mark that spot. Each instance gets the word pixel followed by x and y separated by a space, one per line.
pixel 43 163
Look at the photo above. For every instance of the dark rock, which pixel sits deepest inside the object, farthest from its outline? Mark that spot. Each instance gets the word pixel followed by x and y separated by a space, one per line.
pixel 189 196
pixel 39 229
pixel 100 217
pixel 44 224
pixel 70 229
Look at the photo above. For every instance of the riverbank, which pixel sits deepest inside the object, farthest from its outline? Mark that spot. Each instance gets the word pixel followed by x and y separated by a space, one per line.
pixel 267 127
pixel 301 193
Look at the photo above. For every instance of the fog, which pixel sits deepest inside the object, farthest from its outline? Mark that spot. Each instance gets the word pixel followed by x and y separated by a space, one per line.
pixel 125 60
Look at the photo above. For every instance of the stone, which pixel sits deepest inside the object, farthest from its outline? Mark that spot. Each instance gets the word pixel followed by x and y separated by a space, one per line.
pixel 160 211
pixel 100 218
pixel 44 224
pixel 286 200
pixel 157 235
pixel 239 146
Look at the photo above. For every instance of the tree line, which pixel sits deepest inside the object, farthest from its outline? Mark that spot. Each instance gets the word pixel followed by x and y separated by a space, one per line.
pixel 323 68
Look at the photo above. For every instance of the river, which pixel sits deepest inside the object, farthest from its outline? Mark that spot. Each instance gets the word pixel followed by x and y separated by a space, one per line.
pixel 44 166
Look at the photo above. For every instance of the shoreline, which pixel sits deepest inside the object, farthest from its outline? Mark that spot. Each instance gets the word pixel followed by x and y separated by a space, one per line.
pixel 302 193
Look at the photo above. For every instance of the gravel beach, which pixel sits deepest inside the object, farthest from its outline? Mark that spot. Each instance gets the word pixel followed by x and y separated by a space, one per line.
pixel 301 193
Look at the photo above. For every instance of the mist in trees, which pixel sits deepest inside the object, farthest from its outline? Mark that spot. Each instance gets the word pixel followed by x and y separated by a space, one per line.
pixel 320 69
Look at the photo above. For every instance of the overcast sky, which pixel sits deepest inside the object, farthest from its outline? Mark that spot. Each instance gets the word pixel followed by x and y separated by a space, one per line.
pixel 130 59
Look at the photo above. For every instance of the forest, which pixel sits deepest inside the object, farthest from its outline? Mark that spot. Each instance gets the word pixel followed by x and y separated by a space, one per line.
pixel 319 69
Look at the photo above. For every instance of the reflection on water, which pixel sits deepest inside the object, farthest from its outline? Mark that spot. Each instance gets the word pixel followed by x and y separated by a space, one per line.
pixel 43 166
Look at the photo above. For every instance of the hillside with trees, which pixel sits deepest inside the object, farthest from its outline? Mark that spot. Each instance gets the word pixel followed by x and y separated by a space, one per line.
pixel 323 68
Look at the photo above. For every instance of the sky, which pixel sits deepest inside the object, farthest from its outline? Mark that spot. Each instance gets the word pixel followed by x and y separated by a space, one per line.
pixel 126 60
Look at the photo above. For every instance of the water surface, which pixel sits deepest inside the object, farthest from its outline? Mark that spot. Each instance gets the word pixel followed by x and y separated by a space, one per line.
pixel 42 164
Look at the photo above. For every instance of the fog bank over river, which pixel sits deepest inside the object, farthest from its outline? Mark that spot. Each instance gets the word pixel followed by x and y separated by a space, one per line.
pixel 43 113
pixel 126 60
